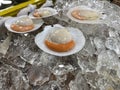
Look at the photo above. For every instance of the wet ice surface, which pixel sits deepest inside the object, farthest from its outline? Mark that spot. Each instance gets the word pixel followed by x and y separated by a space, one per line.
pixel 12 79
pixel 23 66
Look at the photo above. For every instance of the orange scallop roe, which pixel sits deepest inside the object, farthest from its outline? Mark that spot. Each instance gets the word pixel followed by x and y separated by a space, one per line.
pixel 37 14
pixel 76 14
pixel 21 28
pixel 60 47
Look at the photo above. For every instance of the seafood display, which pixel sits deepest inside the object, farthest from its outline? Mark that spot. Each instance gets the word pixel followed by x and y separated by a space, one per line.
pixel 73 46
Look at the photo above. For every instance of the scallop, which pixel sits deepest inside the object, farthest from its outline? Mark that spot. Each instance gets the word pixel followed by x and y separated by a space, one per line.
pixel 61 36
pixel 44 12
pixel 89 14
pixel 24 21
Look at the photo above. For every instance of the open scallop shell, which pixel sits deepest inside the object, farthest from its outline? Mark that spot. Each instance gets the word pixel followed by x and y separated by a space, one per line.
pixel 96 21
pixel 10 21
pixel 51 10
pixel 78 37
